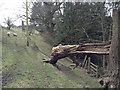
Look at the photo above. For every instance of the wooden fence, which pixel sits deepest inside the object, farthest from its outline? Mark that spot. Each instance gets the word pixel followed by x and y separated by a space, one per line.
pixel 92 68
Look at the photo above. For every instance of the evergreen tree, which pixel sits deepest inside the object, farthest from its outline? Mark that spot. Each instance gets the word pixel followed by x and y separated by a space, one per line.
pixel 81 22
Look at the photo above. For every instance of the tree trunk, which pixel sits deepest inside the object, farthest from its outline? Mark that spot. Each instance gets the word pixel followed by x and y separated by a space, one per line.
pixel 103 31
pixel 114 66
pixel 27 32
pixel 23 26
pixel 63 51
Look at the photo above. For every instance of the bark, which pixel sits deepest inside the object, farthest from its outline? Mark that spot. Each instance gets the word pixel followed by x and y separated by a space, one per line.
pixel 63 51
pixel 114 66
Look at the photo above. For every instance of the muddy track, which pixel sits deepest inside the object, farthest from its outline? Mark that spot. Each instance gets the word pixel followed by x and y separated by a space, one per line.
pixel 63 68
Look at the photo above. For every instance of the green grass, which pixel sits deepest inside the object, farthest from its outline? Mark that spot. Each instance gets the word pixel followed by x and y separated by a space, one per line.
pixel 23 67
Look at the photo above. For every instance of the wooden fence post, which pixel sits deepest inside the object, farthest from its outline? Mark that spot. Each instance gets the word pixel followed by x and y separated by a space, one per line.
pixel 89 61
pixel 97 71
pixel 86 64
pixel 84 60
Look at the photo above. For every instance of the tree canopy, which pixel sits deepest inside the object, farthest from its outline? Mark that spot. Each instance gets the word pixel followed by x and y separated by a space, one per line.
pixel 72 22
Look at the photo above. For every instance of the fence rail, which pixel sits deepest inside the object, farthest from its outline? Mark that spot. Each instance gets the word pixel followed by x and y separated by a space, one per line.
pixel 92 67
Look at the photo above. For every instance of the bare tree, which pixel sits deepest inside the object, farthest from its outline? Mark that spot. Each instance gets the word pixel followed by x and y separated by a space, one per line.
pixel 9 23
pixel 43 14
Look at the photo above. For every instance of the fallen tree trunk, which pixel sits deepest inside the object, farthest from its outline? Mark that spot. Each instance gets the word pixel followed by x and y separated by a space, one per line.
pixel 62 51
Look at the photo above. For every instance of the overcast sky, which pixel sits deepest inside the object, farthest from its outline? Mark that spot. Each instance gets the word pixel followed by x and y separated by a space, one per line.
pixel 11 9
